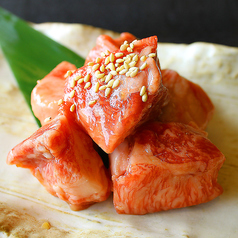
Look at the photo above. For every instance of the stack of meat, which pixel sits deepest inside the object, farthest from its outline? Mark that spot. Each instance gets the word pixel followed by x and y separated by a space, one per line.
pixel 149 123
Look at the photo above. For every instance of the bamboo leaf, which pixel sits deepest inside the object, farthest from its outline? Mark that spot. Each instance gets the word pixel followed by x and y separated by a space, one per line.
pixel 30 54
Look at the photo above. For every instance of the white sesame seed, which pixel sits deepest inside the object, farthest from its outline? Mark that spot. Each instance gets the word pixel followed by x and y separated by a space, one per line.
pixel 68 73
pixel 72 108
pixel 143 66
pixel 95 67
pixel 131 45
pixel 98 60
pixel 128 74
pixel 102 68
pixel 112 57
pixel 86 78
pixel 125 42
pixel 152 55
pixel 126 66
pixel 80 80
pixel 110 83
pixel 103 54
pixel 119 54
pixel 107 60
pixel 72 93
pixel 96 87
pixel 108 77
pixel 129 49
pixel 132 63
pixel 77 77
pixel 87 85
pixel 116 83
pixel 134 41
pixel 142 90
pixel 102 87
pixel 123 47
pixel 92 102
pixel 107 52
pixel 98 75
pixel 135 58
pixel 90 63
pixel 110 66
pixel 47 119
pixel 145 97
pixel 143 58
pixel 72 83
pixel 120 60
pixel 113 72
pixel 107 91
pixel 133 68
pixel 103 79
pixel 123 71
pixel 60 101
pixel 134 73
pixel 120 68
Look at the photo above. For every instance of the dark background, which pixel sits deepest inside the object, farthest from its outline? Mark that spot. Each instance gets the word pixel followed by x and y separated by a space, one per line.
pixel 183 21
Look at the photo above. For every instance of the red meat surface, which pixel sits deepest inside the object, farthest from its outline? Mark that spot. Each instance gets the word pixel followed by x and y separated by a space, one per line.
pixel 164 166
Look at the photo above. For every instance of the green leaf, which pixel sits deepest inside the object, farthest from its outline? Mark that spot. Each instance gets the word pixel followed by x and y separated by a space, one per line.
pixel 30 54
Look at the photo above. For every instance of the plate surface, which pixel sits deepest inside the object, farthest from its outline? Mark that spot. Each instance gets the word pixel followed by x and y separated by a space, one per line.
pixel 24 203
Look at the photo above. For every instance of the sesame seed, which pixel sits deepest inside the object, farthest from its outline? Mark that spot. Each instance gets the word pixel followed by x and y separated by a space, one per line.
pixel 143 66
pixel 126 66
pixel 86 78
pixel 92 102
pixel 110 66
pixel 107 60
pixel 134 73
pixel 103 79
pixel 110 83
pixel 96 87
pixel 80 80
pixel 113 72
pixel 46 225
pixel 125 42
pixel 132 45
pixel 72 108
pixel 72 83
pixel 72 93
pixel 98 60
pixel 128 74
pixel 107 52
pixel 116 83
pixel 143 58
pixel 98 75
pixel 123 71
pixel 129 49
pixel 95 67
pixel 120 68
pixel 60 101
pixel 135 58
pixel 120 60
pixel 132 63
pixel 87 85
pixel 152 55
pixel 133 68
pixel 142 90
pixel 102 87
pixel 107 91
pixel 145 97
pixel 112 57
pixel 68 73
pixel 102 68
pixel 108 77
pixel 77 77
pixel 47 119
pixel 123 47
pixel 90 63
pixel 103 54
pixel 119 54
